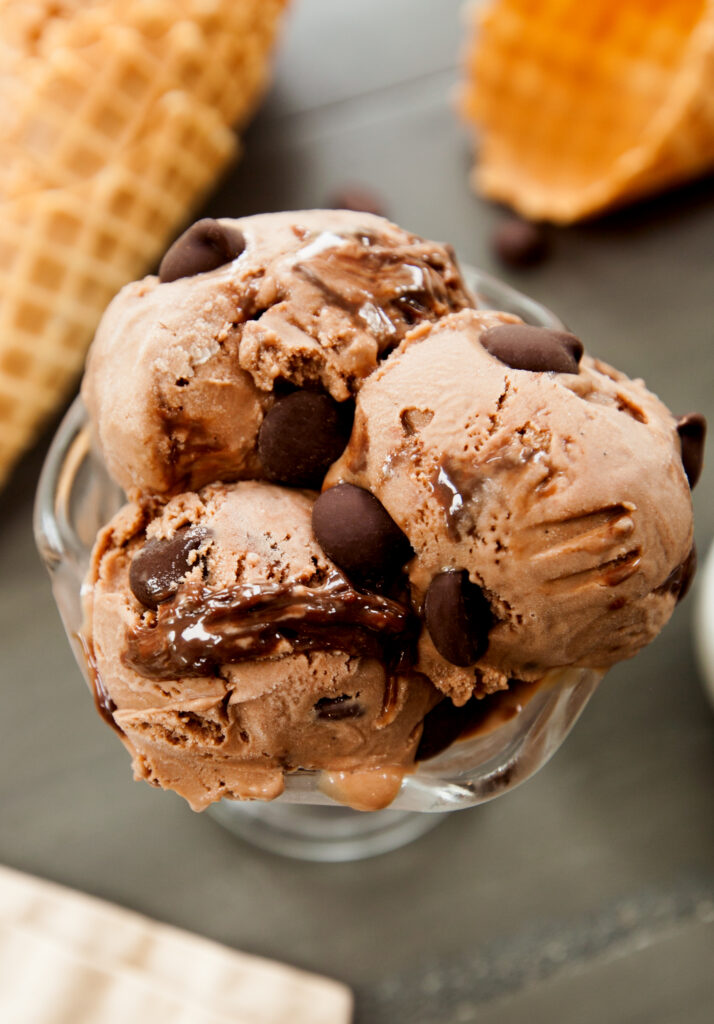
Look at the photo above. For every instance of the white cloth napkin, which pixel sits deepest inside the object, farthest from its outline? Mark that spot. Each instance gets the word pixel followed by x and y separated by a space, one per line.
pixel 67 958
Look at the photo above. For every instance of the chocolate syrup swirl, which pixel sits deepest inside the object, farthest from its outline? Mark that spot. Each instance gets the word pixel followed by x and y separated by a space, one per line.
pixel 201 629
pixel 383 289
pixel 102 701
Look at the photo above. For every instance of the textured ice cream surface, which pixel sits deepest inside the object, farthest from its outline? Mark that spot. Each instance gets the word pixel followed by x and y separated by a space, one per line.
pixel 185 366
pixel 549 512
pixel 228 650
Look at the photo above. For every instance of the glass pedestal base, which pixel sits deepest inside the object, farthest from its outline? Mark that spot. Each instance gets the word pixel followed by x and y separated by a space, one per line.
pixel 326 834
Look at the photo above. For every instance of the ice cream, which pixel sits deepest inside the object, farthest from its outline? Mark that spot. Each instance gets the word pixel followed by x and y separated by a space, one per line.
pixel 495 507
pixel 231 650
pixel 185 366
pixel 538 485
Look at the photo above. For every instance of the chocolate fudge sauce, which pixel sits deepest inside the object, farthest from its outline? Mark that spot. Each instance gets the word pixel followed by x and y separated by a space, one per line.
pixel 382 290
pixel 200 628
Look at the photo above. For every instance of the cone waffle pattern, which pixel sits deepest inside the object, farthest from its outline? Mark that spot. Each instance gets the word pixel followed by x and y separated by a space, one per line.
pixel 584 106
pixel 114 120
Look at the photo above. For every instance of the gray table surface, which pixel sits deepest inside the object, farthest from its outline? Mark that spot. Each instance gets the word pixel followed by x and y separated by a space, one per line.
pixel 587 894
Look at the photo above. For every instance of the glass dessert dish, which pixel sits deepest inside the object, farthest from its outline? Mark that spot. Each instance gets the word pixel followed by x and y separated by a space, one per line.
pixel 466 757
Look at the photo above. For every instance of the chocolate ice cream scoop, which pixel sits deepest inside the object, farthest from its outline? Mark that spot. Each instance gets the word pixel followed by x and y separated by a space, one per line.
pixel 543 494
pixel 186 368
pixel 254 657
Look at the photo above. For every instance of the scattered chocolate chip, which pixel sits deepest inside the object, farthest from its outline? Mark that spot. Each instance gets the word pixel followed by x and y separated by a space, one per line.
pixel 334 709
pixel 519 243
pixel 692 430
pixel 302 435
pixel 540 349
pixel 156 569
pixel 358 534
pixel 207 244
pixel 358 199
pixel 458 617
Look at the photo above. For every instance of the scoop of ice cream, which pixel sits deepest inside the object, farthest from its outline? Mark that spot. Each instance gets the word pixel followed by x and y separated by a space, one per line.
pixel 227 649
pixel 186 367
pixel 542 493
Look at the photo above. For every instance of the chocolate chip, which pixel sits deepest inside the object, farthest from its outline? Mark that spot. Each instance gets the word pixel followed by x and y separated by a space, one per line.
pixel 519 243
pixel 358 199
pixel 207 244
pixel 302 435
pixel 539 349
pixel 334 709
pixel 692 430
pixel 458 617
pixel 157 568
pixel 358 534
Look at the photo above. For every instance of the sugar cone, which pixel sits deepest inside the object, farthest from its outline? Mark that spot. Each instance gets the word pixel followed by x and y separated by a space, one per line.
pixel 583 106
pixel 116 133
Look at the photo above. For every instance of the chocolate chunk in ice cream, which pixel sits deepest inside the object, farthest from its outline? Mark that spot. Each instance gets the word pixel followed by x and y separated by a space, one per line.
pixel 302 435
pixel 458 617
pixel 539 349
pixel 158 567
pixel 358 534
pixel 205 246
pixel 692 431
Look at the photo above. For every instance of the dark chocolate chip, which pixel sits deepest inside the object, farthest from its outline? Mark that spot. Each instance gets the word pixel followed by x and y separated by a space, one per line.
pixel 458 617
pixel 334 709
pixel 358 534
pixel 539 349
pixel 157 568
pixel 692 430
pixel 519 243
pixel 207 244
pixel 302 435
pixel 358 199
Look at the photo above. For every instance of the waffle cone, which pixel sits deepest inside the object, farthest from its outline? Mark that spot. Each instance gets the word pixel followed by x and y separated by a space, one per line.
pixel 585 106
pixel 112 137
